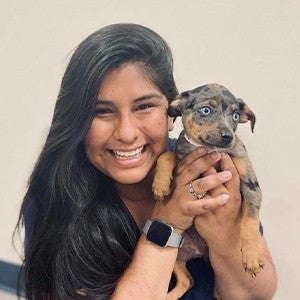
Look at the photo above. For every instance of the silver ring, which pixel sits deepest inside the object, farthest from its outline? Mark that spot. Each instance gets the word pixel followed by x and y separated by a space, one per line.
pixel 192 191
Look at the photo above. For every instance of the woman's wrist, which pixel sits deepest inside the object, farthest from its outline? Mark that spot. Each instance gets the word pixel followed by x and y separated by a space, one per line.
pixel 225 245
pixel 167 220
pixel 179 224
pixel 225 249
pixel 161 233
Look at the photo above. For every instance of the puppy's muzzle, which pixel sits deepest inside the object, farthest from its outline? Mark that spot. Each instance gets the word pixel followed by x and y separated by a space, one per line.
pixel 226 137
pixel 223 139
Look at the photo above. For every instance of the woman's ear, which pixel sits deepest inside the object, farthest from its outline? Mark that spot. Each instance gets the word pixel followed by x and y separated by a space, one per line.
pixel 170 123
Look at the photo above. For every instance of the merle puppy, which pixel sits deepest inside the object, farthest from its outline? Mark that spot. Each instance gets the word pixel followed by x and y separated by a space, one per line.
pixel 210 115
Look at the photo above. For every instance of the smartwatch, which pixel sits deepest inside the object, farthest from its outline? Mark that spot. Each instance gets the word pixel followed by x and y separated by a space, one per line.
pixel 162 234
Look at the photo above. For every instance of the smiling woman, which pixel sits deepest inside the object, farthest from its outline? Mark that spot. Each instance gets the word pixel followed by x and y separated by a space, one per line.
pixel 90 195
pixel 109 126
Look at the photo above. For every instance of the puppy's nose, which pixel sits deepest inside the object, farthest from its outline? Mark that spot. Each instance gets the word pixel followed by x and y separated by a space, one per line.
pixel 226 137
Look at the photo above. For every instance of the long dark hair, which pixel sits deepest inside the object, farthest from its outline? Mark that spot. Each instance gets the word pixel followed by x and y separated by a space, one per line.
pixel 79 234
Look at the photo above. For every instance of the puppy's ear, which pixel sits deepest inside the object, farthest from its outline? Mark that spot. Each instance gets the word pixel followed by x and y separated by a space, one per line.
pixel 174 107
pixel 178 104
pixel 246 114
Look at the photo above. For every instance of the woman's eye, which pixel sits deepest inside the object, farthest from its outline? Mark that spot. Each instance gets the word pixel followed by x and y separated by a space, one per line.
pixel 144 106
pixel 205 111
pixel 103 111
pixel 236 116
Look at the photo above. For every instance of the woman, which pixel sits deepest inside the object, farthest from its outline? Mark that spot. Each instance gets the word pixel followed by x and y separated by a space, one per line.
pixel 90 193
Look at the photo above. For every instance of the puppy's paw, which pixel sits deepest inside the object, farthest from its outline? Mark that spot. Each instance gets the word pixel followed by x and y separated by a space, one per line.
pixel 161 188
pixel 253 261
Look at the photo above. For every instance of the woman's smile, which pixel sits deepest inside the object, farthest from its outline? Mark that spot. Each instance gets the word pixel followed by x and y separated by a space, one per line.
pixel 126 159
pixel 128 154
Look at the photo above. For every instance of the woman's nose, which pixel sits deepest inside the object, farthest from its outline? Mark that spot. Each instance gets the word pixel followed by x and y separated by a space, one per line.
pixel 126 129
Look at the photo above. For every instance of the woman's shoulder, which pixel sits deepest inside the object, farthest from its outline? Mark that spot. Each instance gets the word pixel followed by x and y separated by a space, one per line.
pixel 171 144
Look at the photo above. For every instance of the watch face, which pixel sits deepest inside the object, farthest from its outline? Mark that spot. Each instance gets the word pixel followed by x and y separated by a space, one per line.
pixel 159 233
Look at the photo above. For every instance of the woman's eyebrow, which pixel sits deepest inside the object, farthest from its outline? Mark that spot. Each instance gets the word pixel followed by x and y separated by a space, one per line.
pixel 144 97
pixel 149 96
pixel 105 102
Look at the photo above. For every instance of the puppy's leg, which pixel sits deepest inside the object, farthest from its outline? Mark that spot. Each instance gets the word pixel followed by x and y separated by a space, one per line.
pixel 184 281
pixel 252 252
pixel 163 175
pixel 250 236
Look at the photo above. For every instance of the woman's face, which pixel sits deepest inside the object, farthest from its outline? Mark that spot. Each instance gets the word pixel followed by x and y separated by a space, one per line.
pixel 130 128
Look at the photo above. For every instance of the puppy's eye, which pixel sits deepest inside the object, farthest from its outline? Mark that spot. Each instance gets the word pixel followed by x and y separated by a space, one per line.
pixel 236 116
pixel 205 111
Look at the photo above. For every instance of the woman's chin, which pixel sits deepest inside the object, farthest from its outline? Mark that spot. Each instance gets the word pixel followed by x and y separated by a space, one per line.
pixel 132 178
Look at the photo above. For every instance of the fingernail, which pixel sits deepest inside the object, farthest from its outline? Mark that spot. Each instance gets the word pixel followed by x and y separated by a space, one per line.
pixel 201 151
pixel 215 155
pixel 224 198
pixel 226 175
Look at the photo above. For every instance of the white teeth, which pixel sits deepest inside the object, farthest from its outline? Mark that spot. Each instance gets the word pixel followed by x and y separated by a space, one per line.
pixel 128 154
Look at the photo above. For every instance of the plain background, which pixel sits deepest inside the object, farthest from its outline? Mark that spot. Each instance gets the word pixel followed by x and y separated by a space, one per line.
pixel 251 47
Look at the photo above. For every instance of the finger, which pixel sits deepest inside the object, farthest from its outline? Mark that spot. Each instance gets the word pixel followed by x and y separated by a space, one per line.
pixel 226 163
pixel 210 171
pixel 189 158
pixel 210 182
pixel 207 204
pixel 197 167
pixel 220 189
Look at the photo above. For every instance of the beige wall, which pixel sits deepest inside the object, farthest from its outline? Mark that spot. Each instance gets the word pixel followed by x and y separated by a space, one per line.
pixel 252 47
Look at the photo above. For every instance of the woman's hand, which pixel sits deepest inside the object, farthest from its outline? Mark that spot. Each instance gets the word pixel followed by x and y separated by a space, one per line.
pixel 220 227
pixel 180 208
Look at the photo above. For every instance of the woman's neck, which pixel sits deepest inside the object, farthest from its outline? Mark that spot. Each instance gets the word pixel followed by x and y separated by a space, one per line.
pixel 138 198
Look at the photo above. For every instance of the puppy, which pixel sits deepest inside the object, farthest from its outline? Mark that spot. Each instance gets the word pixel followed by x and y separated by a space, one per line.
pixel 210 115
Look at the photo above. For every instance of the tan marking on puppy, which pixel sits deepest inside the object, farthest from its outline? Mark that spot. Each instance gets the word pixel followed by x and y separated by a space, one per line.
pixel 195 131
pixel 214 103
pixel 246 114
pixel 184 281
pixel 241 165
pixel 234 107
pixel 175 103
pixel 163 175
pixel 252 252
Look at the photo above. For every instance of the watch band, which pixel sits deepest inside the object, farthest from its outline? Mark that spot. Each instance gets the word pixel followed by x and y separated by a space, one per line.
pixel 174 240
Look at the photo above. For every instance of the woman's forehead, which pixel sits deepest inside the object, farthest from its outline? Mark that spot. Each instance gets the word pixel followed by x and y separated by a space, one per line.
pixel 128 80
